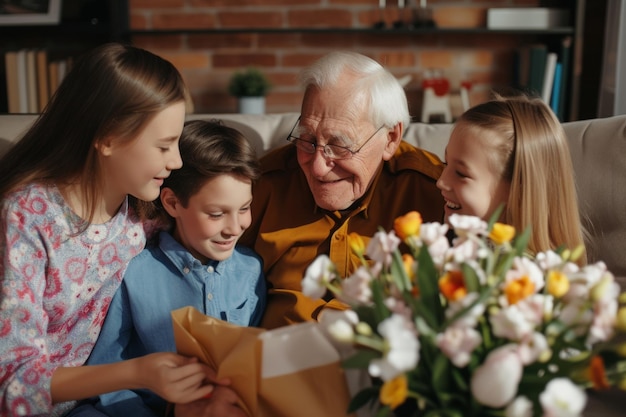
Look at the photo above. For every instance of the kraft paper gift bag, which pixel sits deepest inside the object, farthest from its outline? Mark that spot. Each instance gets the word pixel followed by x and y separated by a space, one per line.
pixel 293 371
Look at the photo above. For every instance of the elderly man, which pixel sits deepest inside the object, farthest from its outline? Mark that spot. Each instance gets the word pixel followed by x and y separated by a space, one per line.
pixel 346 170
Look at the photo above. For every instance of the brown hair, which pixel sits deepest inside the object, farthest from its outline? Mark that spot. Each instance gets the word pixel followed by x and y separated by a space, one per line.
pixel 113 90
pixel 210 149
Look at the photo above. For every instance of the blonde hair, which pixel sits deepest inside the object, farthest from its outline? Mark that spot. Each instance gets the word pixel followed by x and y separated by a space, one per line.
pixel 532 153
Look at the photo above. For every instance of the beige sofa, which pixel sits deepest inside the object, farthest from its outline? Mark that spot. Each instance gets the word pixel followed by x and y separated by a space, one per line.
pixel 598 149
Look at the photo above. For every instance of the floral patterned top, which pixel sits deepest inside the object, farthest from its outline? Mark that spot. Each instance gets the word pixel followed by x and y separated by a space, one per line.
pixel 55 289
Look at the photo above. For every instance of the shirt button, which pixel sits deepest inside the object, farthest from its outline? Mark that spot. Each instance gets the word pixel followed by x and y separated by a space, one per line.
pixel 185 270
pixel 210 269
pixel 209 296
pixel 338 237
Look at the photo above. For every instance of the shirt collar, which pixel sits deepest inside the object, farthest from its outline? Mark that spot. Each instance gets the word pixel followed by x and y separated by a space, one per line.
pixel 181 258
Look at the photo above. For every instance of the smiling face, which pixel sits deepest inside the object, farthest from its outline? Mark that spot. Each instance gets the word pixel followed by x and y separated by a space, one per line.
pixel 138 167
pixel 335 115
pixel 471 183
pixel 214 218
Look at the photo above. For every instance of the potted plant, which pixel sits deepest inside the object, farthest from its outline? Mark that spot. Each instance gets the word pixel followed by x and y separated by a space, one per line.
pixel 250 87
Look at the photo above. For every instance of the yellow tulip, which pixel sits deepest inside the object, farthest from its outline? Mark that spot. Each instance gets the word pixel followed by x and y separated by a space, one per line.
pixel 357 244
pixel 557 284
pixel 518 289
pixel 452 285
pixel 502 233
pixel 394 392
pixel 408 225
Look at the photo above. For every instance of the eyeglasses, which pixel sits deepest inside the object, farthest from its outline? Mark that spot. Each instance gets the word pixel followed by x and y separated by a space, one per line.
pixel 331 151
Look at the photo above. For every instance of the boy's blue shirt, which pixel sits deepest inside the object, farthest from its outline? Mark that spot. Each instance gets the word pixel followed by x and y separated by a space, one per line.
pixel 161 279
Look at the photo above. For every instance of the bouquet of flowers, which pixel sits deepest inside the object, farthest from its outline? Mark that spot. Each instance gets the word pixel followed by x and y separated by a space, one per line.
pixel 475 327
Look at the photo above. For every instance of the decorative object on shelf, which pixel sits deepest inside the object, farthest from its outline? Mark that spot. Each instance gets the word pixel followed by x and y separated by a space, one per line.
pixel 473 328
pixel 436 103
pixel 423 16
pixel 250 86
pixel 30 12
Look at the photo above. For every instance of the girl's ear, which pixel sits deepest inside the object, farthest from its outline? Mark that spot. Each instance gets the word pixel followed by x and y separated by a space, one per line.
pixel 394 137
pixel 170 201
pixel 104 146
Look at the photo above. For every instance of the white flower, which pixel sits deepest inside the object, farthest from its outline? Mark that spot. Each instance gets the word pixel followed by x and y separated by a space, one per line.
pixel 523 266
pixel 495 382
pixel 403 349
pixel 464 225
pixel 562 398
pixel 549 260
pixel 381 247
pixel 317 275
pixel 532 347
pixel 98 232
pixel 458 343
pixel 470 317
pixel 519 407
pixel 356 288
pixel 510 323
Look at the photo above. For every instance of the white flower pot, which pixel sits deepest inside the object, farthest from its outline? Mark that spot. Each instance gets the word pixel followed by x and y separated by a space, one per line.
pixel 251 105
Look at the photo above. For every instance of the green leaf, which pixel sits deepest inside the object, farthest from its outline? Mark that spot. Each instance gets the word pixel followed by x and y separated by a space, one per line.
pixel 472 282
pixel 378 297
pixel 360 359
pixel 521 241
pixel 428 304
pixel 362 398
pixel 401 279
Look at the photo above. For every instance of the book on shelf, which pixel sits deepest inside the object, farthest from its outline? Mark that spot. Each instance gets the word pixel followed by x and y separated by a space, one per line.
pixel 22 81
pixel 30 78
pixel 13 94
pixel 43 89
pixel 555 99
pixel 31 81
pixel 538 55
pixel 565 60
pixel 548 77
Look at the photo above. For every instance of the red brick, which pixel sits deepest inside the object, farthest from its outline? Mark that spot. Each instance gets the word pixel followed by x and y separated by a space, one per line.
pixel 138 21
pixel 221 40
pixel 183 21
pixel 296 59
pixel 245 3
pixel 250 19
pixel 460 17
pixel 397 59
pixel 435 59
pixel 264 60
pixel 161 42
pixel 329 18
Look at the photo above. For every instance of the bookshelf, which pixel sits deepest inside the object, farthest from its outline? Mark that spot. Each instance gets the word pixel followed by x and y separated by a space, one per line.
pixel 104 20
pixel 83 25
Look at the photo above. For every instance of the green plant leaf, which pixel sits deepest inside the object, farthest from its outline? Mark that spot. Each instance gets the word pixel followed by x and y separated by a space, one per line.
pixel 361 359
pixel 428 304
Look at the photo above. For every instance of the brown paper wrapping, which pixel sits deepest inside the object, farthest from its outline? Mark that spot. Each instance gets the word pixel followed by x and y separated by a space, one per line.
pixel 292 371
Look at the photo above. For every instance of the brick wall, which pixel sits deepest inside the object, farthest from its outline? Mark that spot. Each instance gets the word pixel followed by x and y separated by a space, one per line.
pixel 207 60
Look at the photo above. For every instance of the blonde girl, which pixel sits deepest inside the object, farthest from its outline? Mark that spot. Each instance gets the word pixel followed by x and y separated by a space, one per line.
pixel 513 151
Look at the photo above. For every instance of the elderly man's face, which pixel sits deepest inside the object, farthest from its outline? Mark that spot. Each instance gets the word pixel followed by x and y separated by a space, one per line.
pixel 336 116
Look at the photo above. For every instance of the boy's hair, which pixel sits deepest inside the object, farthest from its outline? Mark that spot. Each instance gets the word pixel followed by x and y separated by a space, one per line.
pixel 530 149
pixel 210 149
pixel 112 91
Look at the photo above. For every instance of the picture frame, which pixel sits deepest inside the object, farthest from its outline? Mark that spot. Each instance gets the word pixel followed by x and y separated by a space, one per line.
pixel 30 12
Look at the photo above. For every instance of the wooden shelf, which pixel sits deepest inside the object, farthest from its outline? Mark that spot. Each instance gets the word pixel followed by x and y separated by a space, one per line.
pixel 382 31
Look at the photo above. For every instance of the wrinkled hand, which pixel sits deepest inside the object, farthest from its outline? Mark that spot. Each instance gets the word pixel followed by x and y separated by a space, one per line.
pixel 176 378
pixel 222 403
